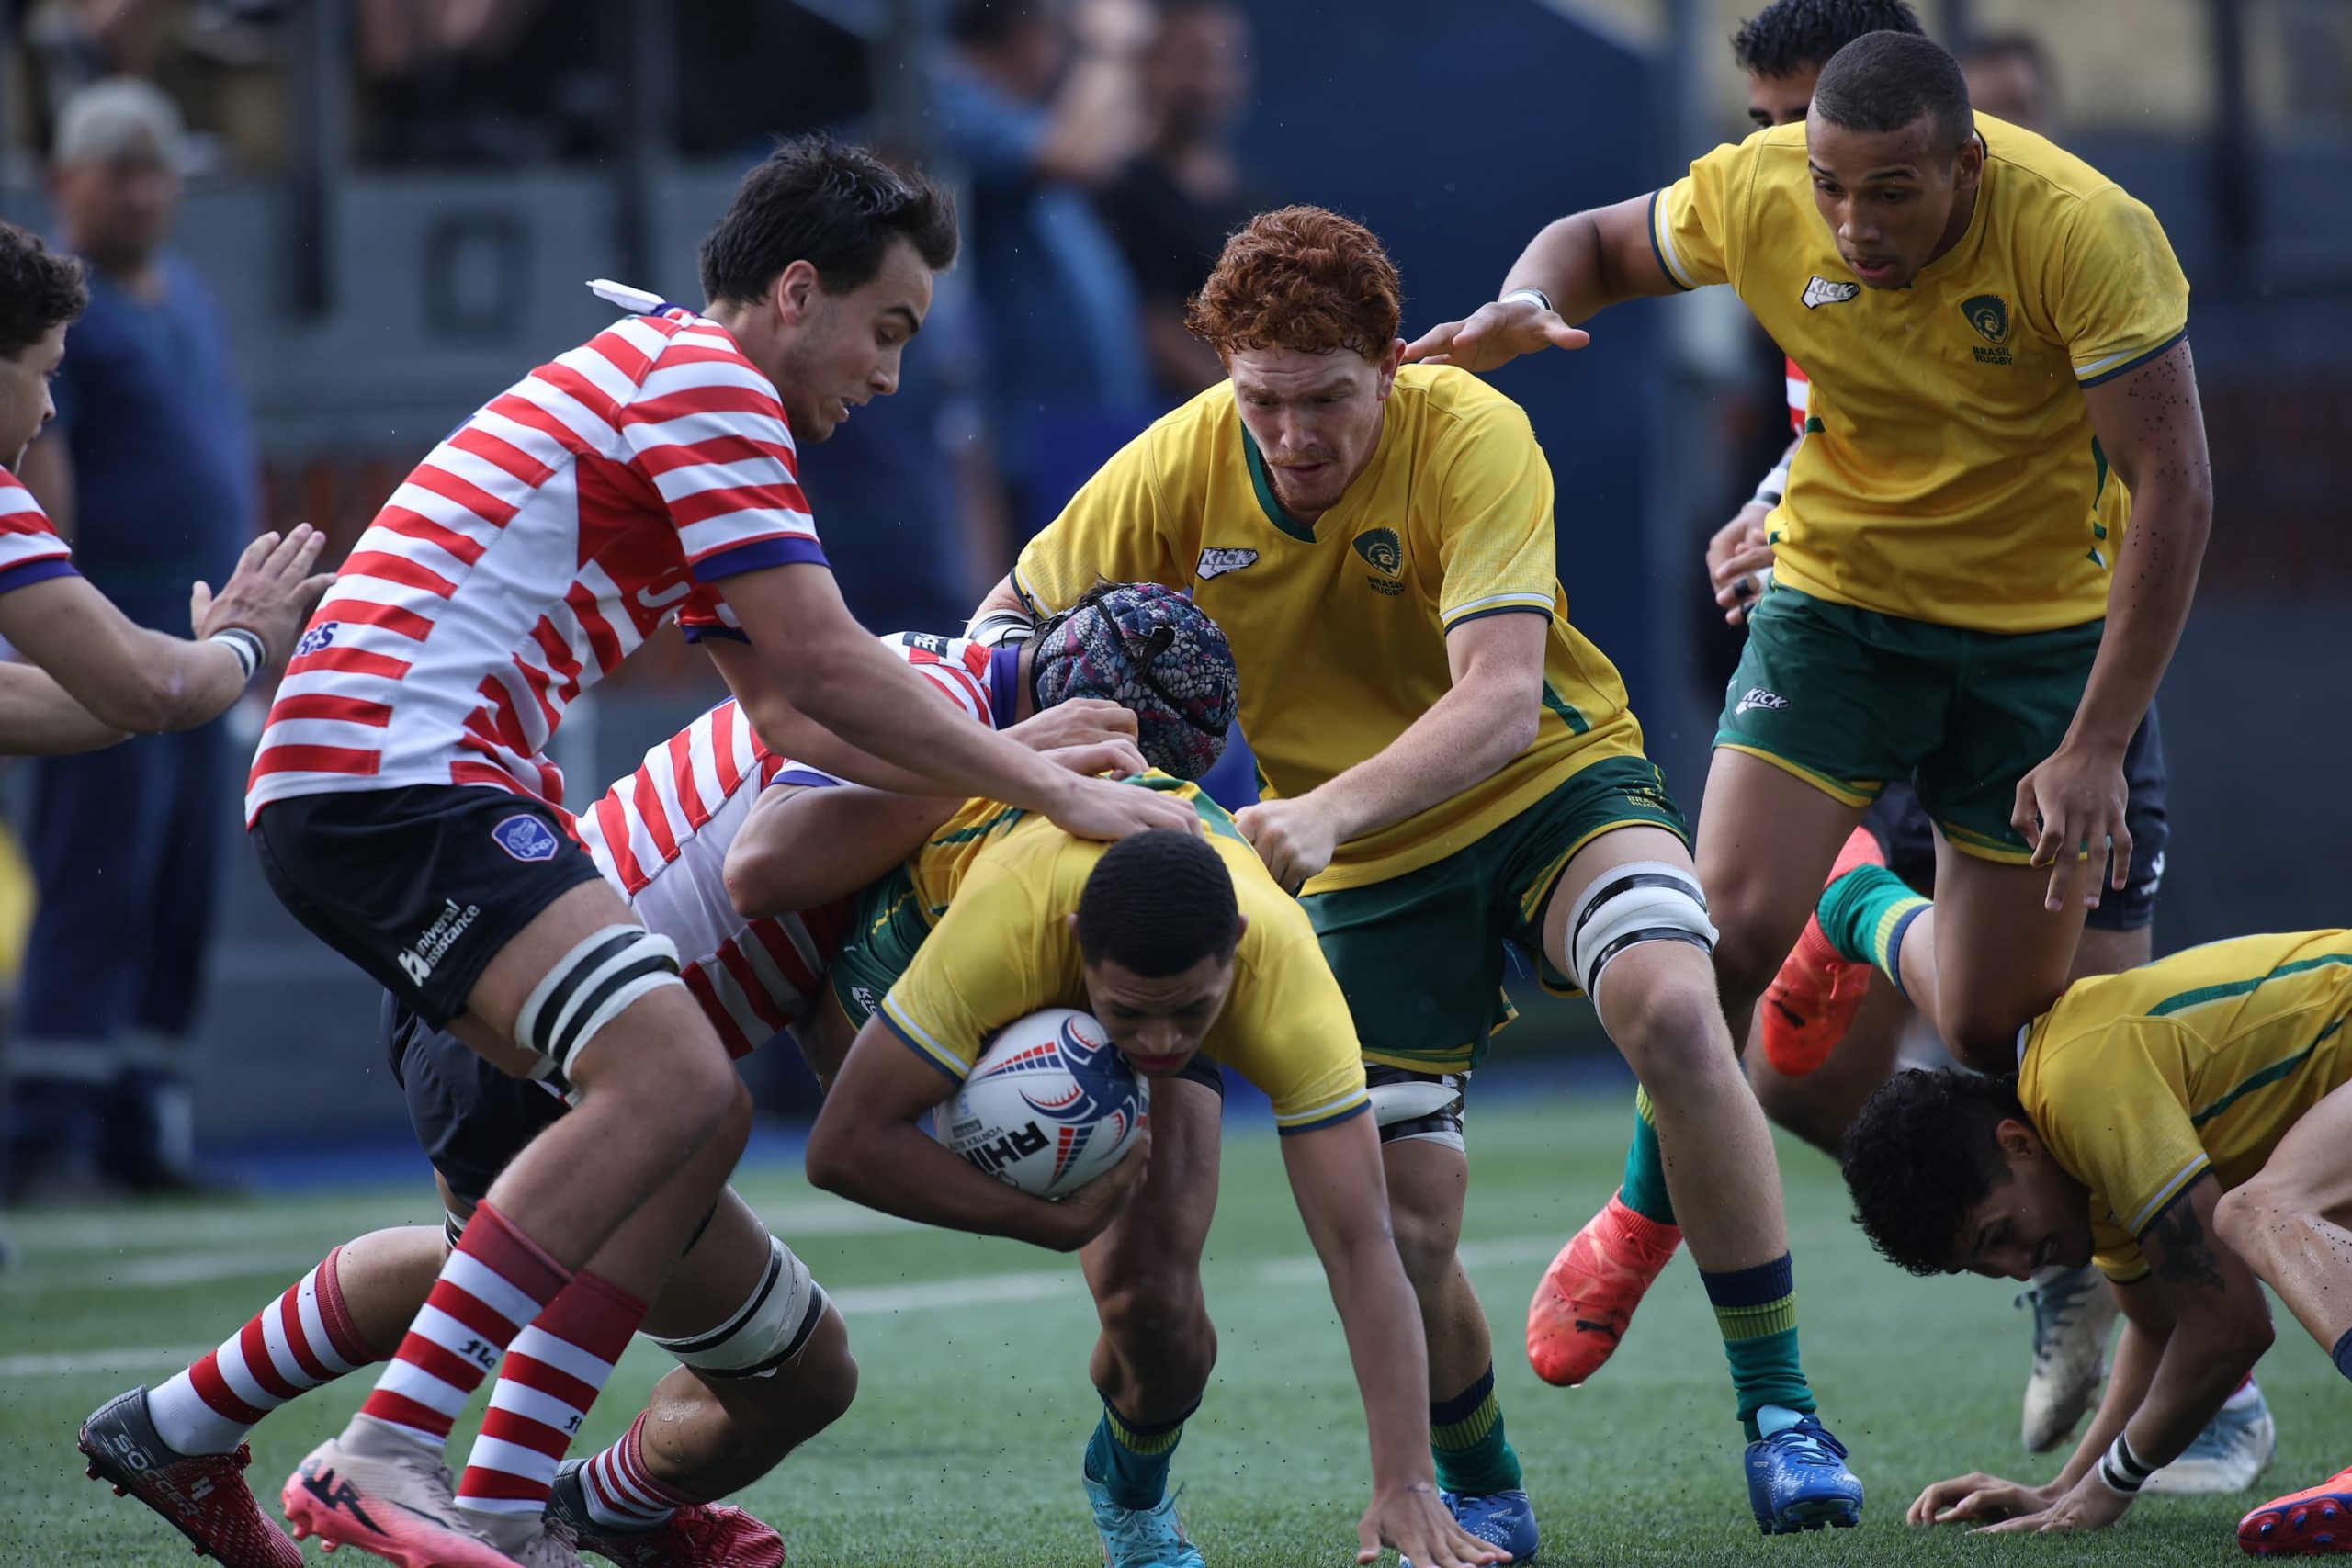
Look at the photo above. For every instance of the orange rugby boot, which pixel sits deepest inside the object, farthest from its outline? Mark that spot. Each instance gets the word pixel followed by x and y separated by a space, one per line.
pixel 2314 1522
pixel 1810 1003
pixel 1589 1294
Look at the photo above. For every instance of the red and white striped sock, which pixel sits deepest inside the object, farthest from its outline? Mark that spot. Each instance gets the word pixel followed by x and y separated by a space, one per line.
pixel 490 1290
pixel 303 1340
pixel 552 1375
pixel 622 1493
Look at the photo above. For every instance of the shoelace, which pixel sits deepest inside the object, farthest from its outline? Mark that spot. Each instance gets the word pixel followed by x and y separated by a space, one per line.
pixel 2056 1307
pixel 1141 1527
pixel 1810 1446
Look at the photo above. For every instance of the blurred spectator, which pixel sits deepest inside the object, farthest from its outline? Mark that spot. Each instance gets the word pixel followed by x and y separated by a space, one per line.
pixel 2009 78
pixel 1040 104
pixel 150 469
pixel 487 81
pixel 1173 207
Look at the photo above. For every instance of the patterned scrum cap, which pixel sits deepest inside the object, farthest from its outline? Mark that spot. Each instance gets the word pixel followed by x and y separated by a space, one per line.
pixel 1150 648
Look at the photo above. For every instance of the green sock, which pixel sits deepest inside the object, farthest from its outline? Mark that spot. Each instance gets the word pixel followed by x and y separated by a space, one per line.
pixel 1466 1438
pixel 1644 1188
pixel 1757 1311
pixel 1131 1460
pixel 1865 914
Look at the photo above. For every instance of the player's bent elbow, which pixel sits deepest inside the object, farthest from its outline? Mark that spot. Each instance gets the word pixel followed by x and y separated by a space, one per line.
pixel 828 1162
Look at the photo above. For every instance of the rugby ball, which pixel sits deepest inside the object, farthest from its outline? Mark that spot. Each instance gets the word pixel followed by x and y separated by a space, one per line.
pixel 1051 1104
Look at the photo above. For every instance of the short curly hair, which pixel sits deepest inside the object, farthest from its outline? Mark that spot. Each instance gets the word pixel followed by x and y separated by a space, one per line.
pixel 39 289
pixel 1789 35
pixel 1921 1155
pixel 1300 277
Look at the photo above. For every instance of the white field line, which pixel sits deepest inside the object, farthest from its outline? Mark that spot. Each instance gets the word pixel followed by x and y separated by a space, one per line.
pixel 856 1302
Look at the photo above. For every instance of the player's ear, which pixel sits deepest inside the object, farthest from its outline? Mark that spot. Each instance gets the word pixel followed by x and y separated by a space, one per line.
pixel 2018 1141
pixel 1971 163
pixel 794 293
pixel 1386 366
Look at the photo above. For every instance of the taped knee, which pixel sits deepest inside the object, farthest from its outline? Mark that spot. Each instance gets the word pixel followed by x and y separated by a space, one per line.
pixel 590 986
pixel 1643 901
pixel 1408 1106
pixel 767 1331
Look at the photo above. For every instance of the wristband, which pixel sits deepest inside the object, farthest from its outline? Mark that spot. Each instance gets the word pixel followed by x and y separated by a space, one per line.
pixel 1528 291
pixel 2120 1470
pixel 244 644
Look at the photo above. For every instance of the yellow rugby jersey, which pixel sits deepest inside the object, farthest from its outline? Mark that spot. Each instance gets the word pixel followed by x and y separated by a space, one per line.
pixel 1005 948
pixel 2141 1082
pixel 1949 472
pixel 1339 629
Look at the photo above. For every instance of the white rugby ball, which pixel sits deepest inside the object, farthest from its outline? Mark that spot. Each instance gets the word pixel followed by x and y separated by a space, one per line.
pixel 1050 1105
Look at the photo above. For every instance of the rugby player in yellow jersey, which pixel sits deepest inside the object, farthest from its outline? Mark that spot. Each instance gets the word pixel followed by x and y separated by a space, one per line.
pixel 1191 958
pixel 1447 766
pixel 1956 598
pixel 2184 1125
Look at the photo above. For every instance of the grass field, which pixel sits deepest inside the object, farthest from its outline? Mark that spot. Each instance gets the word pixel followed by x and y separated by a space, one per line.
pixel 964 1445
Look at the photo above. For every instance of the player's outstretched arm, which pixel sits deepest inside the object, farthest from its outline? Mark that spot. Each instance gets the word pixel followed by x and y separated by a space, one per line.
pixel 869 1147
pixel 828 668
pixel 1335 1174
pixel 1582 264
pixel 144 681
pixel 40 719
pixel 1487 717
pixel 2152 430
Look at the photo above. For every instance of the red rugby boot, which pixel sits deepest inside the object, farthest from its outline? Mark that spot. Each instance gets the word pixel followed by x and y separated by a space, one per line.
pixel 2314 1522
pixel 1811 1002
pixel 1589 1294
pixel 201 1495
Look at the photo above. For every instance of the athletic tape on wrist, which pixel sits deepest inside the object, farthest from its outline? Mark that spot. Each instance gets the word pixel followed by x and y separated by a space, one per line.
pixel 1528 291
pixel 2121 1469
pixel 244 644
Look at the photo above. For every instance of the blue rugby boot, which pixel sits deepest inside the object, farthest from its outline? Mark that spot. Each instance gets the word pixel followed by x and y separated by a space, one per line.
pixel 1140 1538
pixel 1504 1519
pixel 1797 1479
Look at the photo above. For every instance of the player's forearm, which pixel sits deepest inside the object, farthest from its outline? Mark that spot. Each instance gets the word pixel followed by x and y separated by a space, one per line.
pixel 800 848
pixel 879 706
pixel 1569 262
pixel 1002 611
pixel 899 1168
pixel 2201 1365
pixel 2156 582
pixel 1386 1343
pixel 1463 739
pixel 40 719
pixel 2137 1352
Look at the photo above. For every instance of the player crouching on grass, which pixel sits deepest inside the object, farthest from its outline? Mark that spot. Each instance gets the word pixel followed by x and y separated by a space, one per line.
pixel 1190 956
pixel 764 1361
pixel 2183 1124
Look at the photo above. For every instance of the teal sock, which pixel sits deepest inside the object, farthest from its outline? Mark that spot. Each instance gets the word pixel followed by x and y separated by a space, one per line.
pixel 1643 1189
pixel 1757 1311
pixel 1466 1438
pixel 1130 1459
pixel 1865 914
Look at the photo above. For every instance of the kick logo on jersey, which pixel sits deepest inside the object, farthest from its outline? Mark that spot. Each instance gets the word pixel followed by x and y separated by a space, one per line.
pixel 1820 291
pixel 1217 562
pixel 1386 553
pixel 1758 697
pixel 1989 314
pixel 526 838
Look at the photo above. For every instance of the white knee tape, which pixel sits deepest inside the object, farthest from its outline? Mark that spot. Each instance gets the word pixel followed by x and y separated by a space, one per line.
pixel 767 1331
pixel 1409 1101
pixel 589 987
pixel 1643 901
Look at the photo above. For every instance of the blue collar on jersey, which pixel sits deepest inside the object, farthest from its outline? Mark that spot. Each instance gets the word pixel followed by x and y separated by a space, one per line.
pixel 1004 684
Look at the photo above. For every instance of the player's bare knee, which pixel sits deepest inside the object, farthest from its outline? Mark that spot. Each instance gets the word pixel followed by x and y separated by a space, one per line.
pixel 1672 1030
pixel 2245 1217
pixel 1425 1246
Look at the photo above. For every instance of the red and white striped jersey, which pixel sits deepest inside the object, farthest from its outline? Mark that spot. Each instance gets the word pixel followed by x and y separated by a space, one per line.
pixel 529 555
pixel 30 550
pixel 1800 387
pixel 662 836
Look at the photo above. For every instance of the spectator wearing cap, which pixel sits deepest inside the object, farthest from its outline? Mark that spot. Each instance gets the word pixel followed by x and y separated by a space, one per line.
pixel 1039 103
pixel 150 469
